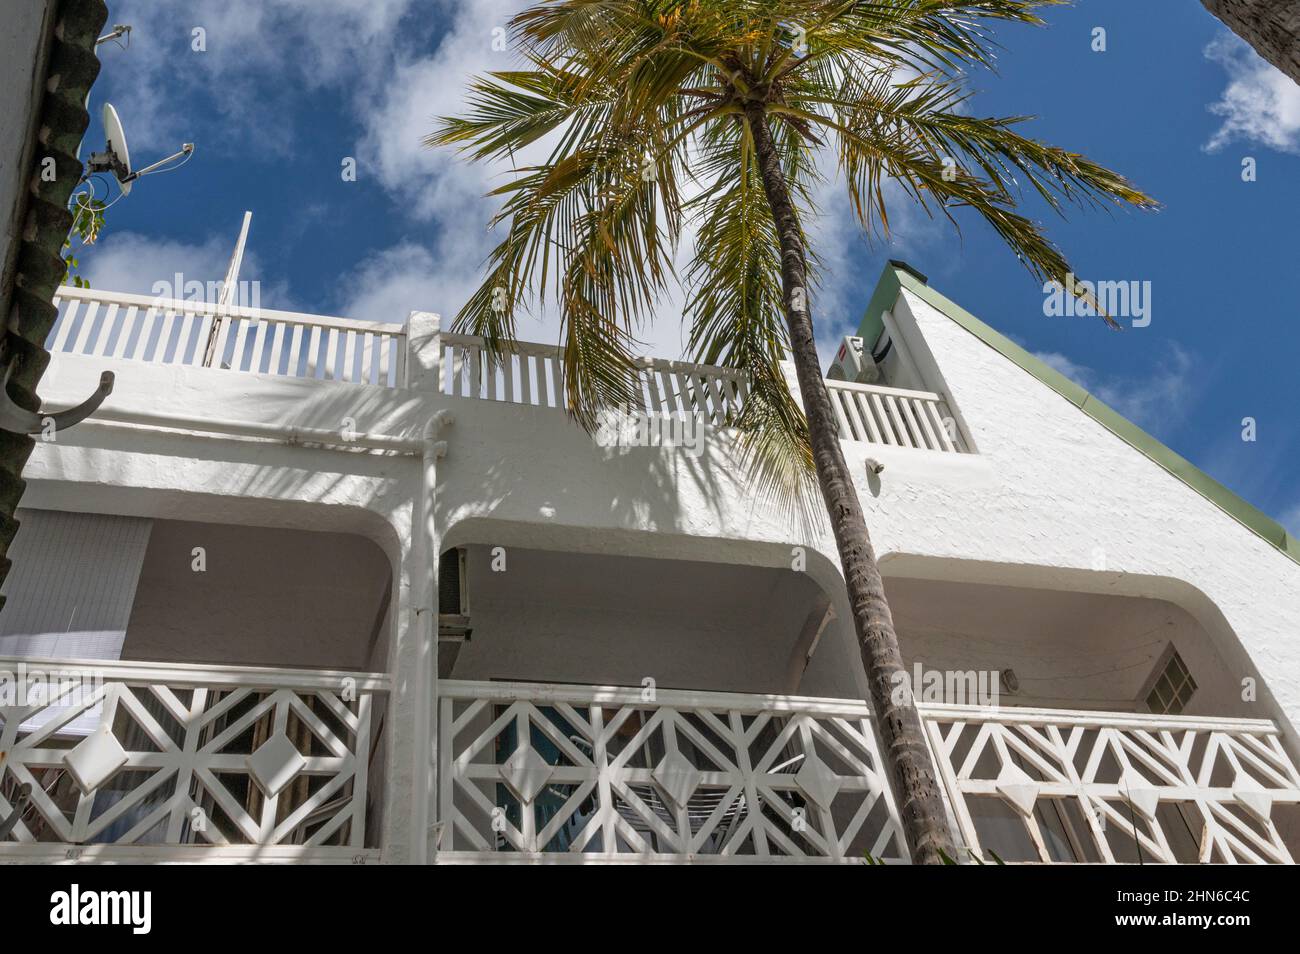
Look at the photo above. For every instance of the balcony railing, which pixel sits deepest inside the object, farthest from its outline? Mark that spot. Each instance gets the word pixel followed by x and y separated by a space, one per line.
pixel 894 416
pixel 197 333
pixel 530 771
pixel 1042 785
pixel 202 334
pixel 165 331
pixel 106 759
pixel 532 374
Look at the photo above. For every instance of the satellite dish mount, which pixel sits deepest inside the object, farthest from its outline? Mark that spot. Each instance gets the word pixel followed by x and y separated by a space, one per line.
pixel 116 158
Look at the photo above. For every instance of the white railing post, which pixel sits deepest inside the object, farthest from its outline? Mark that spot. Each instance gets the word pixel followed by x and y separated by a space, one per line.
pixel 424 351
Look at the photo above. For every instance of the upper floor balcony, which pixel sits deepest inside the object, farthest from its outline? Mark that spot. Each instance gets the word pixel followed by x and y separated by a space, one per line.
pixel 117 327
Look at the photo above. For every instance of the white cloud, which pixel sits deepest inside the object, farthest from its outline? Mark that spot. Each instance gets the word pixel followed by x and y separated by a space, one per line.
pixel 1161 395
pixel 391 283
pixel 1077 373
pixel 437 183
pixel 257 56
pixel 133 263
pixel 1260 104
pixel 260 55
pixel 440 188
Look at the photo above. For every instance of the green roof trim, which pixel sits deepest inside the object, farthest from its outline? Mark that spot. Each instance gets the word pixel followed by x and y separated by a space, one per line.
pixel 897 277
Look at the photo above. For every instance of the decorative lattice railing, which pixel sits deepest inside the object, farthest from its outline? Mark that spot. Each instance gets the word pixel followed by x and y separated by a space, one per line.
pixel 1042 785
pixel 529 769
pixel 110 755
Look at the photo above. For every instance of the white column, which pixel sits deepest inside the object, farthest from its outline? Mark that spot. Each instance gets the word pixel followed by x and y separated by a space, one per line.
pixel 424 351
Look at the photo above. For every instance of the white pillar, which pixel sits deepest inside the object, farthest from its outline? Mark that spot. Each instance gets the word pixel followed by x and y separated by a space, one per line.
pixel 424 351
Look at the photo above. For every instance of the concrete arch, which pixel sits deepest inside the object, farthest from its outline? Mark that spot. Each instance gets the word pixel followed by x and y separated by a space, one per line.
pixel 1074 580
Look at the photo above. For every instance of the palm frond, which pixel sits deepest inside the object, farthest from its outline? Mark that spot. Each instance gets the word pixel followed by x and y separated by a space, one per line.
pixel 613 89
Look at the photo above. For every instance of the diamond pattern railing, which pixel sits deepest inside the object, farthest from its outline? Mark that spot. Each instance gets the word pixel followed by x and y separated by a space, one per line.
pixel 528 769
pixel 114 754
pixel 534 770
pixel 1040 785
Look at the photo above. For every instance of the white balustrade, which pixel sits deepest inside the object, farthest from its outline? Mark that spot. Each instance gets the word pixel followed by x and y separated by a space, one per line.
pixel 531 770
pixel 895 416
pixel 137 327
pixel 533 374
pixel 198 763
pixel 164 331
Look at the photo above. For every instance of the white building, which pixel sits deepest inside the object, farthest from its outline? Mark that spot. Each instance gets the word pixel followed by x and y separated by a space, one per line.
pixel 244 556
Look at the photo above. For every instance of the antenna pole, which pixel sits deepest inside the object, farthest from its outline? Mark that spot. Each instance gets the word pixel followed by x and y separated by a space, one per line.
pixel 228 286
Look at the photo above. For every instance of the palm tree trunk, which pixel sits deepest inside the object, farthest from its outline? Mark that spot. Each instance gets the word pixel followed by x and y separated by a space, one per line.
pixel 925 824
pixel 1272 27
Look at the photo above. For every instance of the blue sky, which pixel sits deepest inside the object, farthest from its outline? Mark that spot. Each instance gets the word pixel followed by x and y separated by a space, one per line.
pixel 287 89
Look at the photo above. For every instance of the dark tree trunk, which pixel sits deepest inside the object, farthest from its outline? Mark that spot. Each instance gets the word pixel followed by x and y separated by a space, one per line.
pixel 925 824
pixel 55 136
pixel 1272 27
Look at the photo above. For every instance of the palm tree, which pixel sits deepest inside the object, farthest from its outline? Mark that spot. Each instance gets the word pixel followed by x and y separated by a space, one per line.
pixel 1272 27
pixel 662 115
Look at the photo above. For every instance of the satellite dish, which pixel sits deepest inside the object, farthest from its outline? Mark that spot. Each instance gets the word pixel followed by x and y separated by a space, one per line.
pixel 117 151
pixel 116 159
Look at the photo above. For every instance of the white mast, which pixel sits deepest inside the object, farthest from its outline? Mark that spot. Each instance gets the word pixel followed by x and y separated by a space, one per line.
pixel 228 286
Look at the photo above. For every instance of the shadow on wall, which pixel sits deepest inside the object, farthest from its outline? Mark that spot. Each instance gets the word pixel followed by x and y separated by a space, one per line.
pixel 529 463
pixel 225 594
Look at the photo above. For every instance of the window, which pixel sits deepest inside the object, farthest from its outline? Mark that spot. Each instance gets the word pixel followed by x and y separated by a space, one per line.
pixel 1172 687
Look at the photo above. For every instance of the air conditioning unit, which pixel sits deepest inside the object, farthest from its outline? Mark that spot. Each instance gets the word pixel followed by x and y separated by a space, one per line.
pixel 853 363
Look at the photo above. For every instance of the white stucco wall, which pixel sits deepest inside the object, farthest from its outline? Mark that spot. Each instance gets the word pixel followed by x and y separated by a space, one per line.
pixel 1064 489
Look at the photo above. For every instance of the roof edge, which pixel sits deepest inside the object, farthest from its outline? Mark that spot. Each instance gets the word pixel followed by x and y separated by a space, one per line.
pixel 897 277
